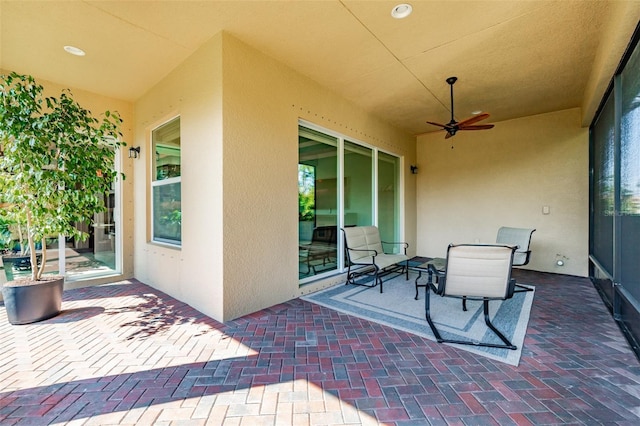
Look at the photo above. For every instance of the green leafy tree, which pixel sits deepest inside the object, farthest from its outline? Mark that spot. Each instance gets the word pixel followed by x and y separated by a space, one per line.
pixel 56 162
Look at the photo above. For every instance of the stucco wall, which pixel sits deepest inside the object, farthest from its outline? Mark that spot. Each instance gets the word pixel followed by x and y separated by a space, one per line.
pixel 504 177
pixel 239 121
pixel 263 100
pixel 192 273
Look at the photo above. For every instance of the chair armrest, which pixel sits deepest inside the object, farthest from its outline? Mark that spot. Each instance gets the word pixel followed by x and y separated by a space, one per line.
pixel 404 245
pixel 518 255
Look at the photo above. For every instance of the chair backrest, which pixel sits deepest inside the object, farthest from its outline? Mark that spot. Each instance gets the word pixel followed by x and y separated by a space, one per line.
pixel 516 236
pixel 478 270
pixel 325 235
pixel 362 238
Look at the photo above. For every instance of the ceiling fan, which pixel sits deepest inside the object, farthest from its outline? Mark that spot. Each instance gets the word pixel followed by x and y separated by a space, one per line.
pixel 453 126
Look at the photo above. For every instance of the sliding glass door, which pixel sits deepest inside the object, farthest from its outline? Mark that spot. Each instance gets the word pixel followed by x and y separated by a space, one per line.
pixel 629 210
pixel 615 196
pixel 341 183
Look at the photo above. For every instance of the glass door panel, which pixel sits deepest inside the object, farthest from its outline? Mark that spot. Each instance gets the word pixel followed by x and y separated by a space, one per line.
pixel 630 177
pixel 317 203
pixel 388 199
pixel 603 186
pixel 358 185
pixel 97 254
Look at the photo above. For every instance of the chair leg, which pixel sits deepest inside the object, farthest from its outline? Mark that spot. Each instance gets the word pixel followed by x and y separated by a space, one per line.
pixel 522 289
pixel 427 311
pixel 375 274
pixel 507 343
pixel 418 285
pixel 349 278
pixel 406 268
pixel 464 304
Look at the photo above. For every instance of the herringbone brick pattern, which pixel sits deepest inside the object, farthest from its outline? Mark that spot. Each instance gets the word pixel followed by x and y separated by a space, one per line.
pixel 128 354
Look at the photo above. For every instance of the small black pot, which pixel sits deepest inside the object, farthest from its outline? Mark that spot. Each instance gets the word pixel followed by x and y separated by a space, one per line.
pixel 33 302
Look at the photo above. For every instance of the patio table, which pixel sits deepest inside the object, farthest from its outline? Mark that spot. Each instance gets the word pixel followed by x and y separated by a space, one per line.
pixel 421 264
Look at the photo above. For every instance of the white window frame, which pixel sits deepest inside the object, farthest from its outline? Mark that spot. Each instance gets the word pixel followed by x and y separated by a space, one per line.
pixel 162 182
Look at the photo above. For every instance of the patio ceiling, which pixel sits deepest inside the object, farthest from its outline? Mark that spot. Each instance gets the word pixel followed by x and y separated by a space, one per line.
pixel 512 58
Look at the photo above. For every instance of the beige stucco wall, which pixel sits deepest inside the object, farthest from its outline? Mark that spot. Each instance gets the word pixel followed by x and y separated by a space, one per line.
pixel 504 177
pixel 192 273
pixel 239 120
pixel 97 104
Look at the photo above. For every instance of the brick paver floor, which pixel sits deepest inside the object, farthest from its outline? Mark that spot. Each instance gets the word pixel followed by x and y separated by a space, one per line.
pixel 126 353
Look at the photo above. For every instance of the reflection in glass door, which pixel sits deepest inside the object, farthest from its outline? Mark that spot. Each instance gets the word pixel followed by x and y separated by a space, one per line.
pixel 97 254
pixel 389 199
pixel 317 203
pixel 629 216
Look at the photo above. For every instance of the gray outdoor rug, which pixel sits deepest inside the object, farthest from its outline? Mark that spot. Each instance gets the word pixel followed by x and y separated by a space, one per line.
pixel 397 308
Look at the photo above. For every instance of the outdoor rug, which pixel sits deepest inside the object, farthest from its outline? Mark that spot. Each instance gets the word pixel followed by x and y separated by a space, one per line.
pixel 397 308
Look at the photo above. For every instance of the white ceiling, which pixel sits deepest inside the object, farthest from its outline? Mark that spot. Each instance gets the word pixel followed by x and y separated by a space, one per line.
pixel 513 58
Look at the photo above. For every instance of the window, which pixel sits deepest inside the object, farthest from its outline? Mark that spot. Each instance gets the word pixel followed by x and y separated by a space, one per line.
pixel 166 209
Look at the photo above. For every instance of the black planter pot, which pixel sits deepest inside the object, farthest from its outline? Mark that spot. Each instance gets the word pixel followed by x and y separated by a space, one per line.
pixel 33 302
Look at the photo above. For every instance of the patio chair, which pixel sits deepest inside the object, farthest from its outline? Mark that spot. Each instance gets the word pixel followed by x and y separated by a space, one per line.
pixel 475 272
pixel 365 250
pixel 520 237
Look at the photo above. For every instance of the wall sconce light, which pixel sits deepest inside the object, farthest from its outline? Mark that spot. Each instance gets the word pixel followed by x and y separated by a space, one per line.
pixel 414 169
pixel 134 152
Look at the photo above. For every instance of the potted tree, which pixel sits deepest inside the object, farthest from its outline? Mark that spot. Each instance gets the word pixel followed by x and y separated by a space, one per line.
pixel 15 250
pixel 56 164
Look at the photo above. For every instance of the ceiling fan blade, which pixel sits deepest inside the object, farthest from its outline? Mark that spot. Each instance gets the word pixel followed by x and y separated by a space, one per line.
pixel 474 119
pixel 477 127
pixel 437 124
pixel 448 135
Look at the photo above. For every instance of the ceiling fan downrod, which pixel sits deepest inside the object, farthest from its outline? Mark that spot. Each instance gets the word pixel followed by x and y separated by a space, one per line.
pixel 451 126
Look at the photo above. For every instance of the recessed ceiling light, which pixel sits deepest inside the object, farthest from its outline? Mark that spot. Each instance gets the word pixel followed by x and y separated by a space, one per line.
pixel 401 11
pixel 74 50
pixel 476 112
